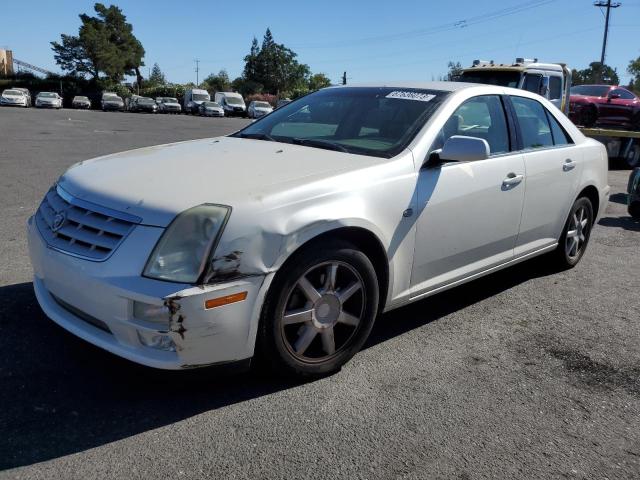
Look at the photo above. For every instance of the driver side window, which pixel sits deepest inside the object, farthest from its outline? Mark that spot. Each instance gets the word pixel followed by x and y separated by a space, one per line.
pixel 480 117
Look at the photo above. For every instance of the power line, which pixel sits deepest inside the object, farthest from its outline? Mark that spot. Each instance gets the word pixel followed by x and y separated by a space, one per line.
pixel 609 6
pixel 456 25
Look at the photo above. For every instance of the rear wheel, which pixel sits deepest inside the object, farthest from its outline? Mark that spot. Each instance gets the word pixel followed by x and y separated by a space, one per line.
pixel 319 311
pixel 634 209
pixel 575 235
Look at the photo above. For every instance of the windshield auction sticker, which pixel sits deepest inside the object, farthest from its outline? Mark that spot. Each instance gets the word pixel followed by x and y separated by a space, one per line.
pixel 405 95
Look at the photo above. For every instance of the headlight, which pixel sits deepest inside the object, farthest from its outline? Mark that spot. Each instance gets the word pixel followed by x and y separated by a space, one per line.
pixel 184 249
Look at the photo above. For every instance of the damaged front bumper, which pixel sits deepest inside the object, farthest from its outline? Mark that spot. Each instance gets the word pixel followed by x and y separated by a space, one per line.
pixel 98 301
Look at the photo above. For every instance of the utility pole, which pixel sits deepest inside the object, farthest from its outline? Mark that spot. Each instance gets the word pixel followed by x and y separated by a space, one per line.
pixel 197 72
pixel 609 6
pixel 344 78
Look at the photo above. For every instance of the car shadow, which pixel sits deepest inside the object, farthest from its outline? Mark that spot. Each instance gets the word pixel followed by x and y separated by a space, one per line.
pixel 62 395
pixel 627 223
pixel 618 198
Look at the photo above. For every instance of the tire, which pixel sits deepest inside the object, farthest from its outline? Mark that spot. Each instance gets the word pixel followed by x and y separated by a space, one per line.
pixel 633 157
pixel 634 209
pixel 568 253
pixel 319 336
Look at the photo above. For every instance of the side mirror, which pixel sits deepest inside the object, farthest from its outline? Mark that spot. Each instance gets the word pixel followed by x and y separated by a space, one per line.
pixel 459 148
pixel 613 96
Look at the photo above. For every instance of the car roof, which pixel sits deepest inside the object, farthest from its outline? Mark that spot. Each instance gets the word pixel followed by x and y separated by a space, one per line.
pixel 442 86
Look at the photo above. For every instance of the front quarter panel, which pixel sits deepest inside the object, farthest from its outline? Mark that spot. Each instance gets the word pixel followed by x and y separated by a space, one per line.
pixel 264 231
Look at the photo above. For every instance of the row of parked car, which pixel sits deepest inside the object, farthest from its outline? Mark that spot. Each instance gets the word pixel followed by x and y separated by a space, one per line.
pixel 195 102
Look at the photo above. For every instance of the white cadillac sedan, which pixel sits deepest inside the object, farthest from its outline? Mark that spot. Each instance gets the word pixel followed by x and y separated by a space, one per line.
pixel 285 240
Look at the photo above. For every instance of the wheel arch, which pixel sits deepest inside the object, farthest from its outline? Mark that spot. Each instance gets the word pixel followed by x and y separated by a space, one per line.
pixel 591 192
pixel 364 240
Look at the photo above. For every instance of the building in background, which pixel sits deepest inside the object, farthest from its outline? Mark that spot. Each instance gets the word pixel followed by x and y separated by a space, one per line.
pixel 6 63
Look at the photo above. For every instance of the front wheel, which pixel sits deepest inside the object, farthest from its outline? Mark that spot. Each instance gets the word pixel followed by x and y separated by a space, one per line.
pixel 575 236
pixel 319 311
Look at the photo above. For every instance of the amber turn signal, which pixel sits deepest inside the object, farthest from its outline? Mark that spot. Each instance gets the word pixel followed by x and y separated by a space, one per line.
pixel 220 301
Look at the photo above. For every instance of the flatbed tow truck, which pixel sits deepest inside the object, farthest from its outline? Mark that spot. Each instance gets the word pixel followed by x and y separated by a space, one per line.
pixel 553 81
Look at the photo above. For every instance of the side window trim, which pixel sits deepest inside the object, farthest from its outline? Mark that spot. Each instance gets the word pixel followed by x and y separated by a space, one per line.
pixel 514 126
pixel 513 118
pixel 550 118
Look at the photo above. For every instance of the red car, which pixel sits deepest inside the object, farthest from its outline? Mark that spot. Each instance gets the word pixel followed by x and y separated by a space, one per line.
pixel 604 106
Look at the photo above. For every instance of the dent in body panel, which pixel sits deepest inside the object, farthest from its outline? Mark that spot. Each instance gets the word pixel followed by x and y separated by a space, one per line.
pixel 373 199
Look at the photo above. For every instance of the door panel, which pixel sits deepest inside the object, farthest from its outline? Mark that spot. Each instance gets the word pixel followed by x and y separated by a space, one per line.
pixel 552 165
pixel 467 221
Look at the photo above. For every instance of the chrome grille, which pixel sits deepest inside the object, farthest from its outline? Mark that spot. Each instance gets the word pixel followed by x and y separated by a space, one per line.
pixel 80 228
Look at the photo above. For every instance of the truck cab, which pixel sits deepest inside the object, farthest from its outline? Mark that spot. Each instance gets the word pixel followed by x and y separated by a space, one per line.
pixel 550 80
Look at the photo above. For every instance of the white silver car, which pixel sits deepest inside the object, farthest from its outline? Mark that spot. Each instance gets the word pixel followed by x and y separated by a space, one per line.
pixel 14 98
pixel 211 109
pixel 48 100
pixel 257 109
pixel 285 240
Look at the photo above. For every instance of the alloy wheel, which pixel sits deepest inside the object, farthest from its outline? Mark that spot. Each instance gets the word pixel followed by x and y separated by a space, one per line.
pixel 322 312
pixel 577 233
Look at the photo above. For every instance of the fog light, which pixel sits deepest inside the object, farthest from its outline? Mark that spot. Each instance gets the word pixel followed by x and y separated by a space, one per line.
pixel 151 313
pixel 158 341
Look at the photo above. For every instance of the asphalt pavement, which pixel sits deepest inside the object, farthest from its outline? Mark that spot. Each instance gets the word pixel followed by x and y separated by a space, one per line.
pixel 527 373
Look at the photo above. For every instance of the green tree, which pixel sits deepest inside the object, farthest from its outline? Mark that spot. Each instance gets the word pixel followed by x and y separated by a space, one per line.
pixel 274 66
pixel 318 81
pixel 596 73
pixel 156 77
pixel 219 82
pixel 455 70
pixel 104 44
pixel 634 69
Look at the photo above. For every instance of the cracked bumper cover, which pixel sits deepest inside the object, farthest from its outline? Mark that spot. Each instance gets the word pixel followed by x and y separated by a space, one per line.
pixel 105 291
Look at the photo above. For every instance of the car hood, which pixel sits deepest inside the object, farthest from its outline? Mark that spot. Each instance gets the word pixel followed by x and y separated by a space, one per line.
pixel 587 99
pixel 156 183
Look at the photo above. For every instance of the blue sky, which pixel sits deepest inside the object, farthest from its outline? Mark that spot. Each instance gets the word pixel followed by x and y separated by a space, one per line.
pixel 373 40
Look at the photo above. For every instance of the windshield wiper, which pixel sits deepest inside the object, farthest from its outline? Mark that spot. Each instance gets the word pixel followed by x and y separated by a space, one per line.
pixel 316 142
pixel 258 136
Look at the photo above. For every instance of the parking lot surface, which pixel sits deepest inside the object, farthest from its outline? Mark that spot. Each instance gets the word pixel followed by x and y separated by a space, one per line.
pixel 527 373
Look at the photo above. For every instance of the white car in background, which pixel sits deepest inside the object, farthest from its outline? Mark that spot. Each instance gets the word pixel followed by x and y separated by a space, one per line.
pixel 13 97
pixel 168 105
pixel 48 100
pixel 286 239
pixel 257 109
pixel 211 109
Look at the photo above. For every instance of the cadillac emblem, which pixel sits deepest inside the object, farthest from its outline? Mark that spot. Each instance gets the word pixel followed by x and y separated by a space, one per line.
pixel 59 221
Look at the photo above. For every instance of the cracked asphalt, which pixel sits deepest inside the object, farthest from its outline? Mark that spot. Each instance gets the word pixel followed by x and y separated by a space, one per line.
pixel 527 373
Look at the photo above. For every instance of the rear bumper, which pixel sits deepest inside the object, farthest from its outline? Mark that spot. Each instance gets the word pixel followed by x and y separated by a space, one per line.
pixel 94 301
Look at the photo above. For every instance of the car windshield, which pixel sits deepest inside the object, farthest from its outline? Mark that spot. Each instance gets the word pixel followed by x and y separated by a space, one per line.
pixel 199 96
pixel 367 121
pixel 47 95
pixel 146 101
pixel 234 100
pixel 262 105
pixel 81 98
pixel 112 98
pixel 13 92
pixel 210 104
pixel 170 100
pixel 590 90
pixel 505 78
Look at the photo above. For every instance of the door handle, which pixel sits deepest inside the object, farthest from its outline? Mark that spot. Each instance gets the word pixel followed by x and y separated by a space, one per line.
pixel 568 165
pixel 512 179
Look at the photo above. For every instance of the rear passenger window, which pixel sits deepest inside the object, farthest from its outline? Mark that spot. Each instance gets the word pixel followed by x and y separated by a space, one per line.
pixel 534 126
pixel 481 117
pixel 559 135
